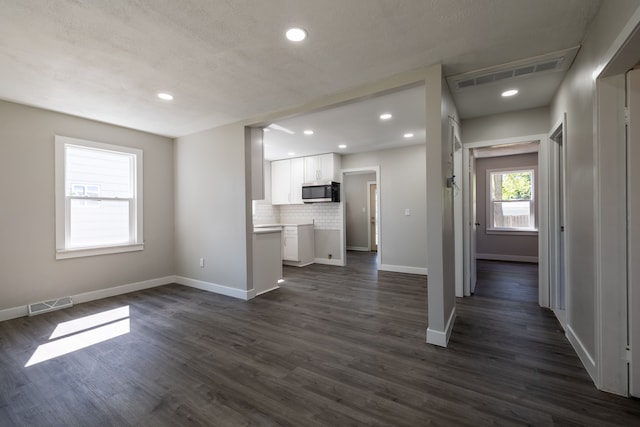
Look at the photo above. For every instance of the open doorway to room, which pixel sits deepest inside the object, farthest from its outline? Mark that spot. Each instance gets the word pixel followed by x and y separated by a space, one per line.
pixel 361 207
pixel 504 213
pixel 386 126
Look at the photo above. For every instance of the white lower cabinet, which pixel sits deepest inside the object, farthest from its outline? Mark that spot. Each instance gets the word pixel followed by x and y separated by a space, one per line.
pixel 298 245
pixel 290 244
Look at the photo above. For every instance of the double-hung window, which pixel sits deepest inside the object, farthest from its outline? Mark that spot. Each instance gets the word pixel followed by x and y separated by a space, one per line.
pixel 511 204
pixel 98 198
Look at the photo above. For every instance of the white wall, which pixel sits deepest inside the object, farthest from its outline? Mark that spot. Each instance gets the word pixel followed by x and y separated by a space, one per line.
pixel 576 97
pixel 212 210
pixel 507 125
pixel 442 124
pixel 29 270
pixel 402 186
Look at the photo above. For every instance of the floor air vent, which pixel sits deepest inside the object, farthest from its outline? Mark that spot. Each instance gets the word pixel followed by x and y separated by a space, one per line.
pixel 46 306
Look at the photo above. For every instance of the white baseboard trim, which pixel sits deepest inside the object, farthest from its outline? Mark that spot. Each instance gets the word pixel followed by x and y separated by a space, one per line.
pixel 503 257
pixel 215 288
pixel 268 290
pixel 586 359
pixel 119 290
pixel 403 269
pixel 328 261
pixel 15 312
pixel 358 248
pixel 441 338
pixel 296 263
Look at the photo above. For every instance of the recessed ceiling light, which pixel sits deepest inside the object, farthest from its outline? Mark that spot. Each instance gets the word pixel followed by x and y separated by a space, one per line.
pixel 165 96
pixel 385 116
pixel 296 34
pixel 342 146
pixel 408 135
pixel 308 132
pixel 291 153
pixel 510 92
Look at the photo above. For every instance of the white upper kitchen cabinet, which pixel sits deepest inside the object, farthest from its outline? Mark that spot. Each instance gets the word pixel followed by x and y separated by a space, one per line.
pixel 280 182
pixel 322 168
pixel 297 178
pixel 286 181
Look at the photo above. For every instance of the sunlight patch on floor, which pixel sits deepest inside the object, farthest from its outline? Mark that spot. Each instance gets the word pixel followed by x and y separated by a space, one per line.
pixel 82 333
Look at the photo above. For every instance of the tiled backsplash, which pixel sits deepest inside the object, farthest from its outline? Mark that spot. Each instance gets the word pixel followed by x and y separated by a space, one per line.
pixel 326 216
pixel 265 213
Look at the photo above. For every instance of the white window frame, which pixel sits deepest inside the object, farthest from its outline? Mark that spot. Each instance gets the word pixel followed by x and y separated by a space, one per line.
pixel 63 202
pixel 532 206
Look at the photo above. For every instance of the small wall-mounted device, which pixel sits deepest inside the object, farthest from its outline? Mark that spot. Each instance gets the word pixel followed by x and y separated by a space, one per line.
pixel 451 181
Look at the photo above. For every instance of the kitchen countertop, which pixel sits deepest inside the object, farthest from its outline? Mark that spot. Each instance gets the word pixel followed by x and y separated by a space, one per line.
pixel 263 230
pixel 281 225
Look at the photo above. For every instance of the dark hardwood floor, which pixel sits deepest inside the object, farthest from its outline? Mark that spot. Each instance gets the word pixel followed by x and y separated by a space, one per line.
pixel 334 346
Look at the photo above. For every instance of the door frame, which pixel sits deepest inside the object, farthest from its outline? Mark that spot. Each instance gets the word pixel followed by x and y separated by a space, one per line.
pixel 557 245
pixel 633 229
pixel 458 211
pixel 369 237
pixel 609 369
pixel 468 222
pixel 543 198
pixel 343 211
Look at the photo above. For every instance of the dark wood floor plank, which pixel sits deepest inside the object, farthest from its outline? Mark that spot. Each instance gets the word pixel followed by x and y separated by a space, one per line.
pixel 333 346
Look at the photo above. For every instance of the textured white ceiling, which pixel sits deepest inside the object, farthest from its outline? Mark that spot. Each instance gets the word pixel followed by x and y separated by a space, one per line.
pixel 356 125
pixel 227 60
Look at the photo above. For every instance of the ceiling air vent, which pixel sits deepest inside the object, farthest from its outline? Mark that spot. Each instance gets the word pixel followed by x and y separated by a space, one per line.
pixel 482 79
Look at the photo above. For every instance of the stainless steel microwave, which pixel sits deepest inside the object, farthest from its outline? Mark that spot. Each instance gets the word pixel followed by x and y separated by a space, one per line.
pixel 318 193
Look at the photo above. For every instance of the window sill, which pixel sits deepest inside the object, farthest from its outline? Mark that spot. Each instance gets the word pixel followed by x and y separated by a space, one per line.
pixel 507 232
pixel 104 250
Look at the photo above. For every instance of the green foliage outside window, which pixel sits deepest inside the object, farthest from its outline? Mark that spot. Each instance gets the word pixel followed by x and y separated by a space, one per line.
pixel 512 186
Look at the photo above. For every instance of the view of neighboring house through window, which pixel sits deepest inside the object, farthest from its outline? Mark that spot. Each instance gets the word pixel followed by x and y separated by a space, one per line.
pixel 511 206
pixel 98 198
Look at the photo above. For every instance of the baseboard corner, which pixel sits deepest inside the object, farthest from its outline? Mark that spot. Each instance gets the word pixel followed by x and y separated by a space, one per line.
pixel 216 289
pixel 404 269
pixel 441 338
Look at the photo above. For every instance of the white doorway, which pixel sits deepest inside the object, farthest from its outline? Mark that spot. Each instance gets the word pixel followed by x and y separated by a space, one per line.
pixel 365 209
pixel 633 213
pixel 505 146
pixel 372 206
pixel 557 241
pixel 472 220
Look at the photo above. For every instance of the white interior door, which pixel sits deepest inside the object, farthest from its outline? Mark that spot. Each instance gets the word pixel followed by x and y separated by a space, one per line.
pixel 633 215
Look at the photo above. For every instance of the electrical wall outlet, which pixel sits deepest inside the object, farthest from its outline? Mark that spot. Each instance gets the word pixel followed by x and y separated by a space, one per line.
pixel 201 262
